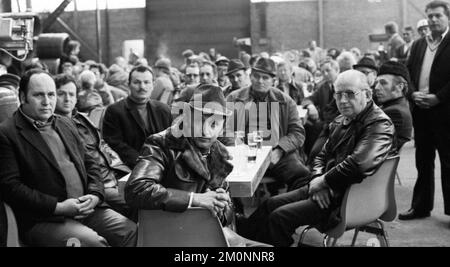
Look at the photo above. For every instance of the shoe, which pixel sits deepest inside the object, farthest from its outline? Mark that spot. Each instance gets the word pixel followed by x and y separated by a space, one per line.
pixel 413 214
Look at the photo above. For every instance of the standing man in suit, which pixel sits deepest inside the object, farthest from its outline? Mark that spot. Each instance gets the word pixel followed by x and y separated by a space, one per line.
pixel 429 66
pixel 395 40
pixel 50 180
pixel 129 122
pixel 404 50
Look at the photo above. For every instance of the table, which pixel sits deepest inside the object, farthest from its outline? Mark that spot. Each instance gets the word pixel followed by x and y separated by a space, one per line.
pixel 245 177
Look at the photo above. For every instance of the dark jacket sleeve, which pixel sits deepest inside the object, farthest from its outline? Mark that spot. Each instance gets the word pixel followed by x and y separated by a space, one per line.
pixel 112 133
pixel 94 178
pixel 14 191
pixel 371 150
pixel 296 133
pixel 93 173
pixel 144 189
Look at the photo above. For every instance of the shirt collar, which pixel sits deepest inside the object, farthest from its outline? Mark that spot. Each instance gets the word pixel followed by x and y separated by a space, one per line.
pixel 38 124
pixel 429 37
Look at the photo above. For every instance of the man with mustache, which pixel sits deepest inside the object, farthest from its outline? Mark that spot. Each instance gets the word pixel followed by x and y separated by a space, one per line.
pixel 130 121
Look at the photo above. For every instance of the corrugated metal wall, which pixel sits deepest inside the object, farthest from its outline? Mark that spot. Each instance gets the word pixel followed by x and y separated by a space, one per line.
pixel 176 25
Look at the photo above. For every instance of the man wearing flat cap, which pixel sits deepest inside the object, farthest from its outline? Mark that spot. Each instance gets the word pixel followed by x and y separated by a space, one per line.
pixel 238 76
pixel 368 66
pixel 391 87
pixel 222 64
pixel 262 107
pixel 185 166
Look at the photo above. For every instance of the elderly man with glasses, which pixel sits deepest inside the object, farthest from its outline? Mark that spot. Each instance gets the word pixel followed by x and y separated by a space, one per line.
pixel 361 139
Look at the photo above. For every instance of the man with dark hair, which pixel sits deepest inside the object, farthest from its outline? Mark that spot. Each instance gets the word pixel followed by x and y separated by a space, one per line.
pixel 391 87
pixel 395 40
pixel 404 50
pixel 429 66
pixel 129 122
pixel 49 179
pixel 110 165
pixel 360 140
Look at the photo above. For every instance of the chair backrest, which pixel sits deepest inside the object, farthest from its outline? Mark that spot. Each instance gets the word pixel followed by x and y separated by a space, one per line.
pixel 96 116
pixel 372 199
pixel 192 228
pixel 12 239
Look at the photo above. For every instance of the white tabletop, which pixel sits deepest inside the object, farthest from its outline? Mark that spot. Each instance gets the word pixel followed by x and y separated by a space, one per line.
pixel 245 177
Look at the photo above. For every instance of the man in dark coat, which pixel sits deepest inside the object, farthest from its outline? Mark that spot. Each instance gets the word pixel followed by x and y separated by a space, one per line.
pixel 390 88
pixel 180 169
pixel 429 67
pixel 361 139
pixel 48 178
pixel 130 121
pixel 265 108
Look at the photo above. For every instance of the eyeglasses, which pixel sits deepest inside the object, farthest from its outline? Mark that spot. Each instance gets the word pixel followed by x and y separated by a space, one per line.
pixel 192 75
pixel 348 94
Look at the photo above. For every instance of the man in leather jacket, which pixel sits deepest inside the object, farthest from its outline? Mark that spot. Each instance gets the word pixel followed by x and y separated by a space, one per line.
pixel 111 166
pixel 361 139
pixel 182 169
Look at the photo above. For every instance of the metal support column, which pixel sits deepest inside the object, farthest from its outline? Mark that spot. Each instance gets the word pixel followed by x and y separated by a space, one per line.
pixel 321 24
pixel 98 22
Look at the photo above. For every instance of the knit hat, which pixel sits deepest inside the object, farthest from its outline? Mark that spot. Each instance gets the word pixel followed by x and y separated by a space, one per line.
pixel 395 68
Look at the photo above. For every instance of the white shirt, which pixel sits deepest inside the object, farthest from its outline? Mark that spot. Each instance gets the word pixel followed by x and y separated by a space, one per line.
pixel 430 53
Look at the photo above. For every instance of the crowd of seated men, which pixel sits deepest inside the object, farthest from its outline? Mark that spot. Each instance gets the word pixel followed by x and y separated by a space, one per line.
pixel 59 167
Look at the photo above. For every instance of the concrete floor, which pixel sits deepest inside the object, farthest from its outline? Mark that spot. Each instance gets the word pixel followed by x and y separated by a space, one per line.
pixel 429 232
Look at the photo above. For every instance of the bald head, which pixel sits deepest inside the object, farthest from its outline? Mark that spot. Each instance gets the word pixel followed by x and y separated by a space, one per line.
pixel 352 93
pixel 353 77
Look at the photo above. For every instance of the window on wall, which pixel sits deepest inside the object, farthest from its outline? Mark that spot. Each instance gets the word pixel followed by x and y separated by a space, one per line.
pixel 51 5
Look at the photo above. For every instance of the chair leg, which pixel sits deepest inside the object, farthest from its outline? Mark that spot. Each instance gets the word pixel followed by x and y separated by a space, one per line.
pixel 398 178
pixel 382 234
pixel 326 241
pixel 302 235
pixel 355 235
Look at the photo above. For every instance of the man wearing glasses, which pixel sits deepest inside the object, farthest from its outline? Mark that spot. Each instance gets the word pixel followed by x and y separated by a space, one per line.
pixel 361 139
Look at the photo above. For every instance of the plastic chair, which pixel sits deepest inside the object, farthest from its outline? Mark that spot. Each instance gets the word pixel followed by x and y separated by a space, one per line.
pixel 96 116
pixel 195 227
pixel 12 239
pixel 366 205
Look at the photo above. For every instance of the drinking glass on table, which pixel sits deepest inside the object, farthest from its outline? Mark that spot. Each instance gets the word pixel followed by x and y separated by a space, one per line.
pixel 252 148
pixel 240 149
pixel 258 138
